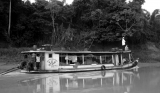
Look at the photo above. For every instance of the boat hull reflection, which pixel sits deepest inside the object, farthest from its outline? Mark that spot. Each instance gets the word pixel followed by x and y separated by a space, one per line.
pixel 82 82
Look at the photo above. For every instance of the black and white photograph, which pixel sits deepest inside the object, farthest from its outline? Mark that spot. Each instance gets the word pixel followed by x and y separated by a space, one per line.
pixel 79 46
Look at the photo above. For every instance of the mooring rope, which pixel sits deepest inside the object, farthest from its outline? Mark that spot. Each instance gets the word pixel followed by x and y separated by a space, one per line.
pixel 9 70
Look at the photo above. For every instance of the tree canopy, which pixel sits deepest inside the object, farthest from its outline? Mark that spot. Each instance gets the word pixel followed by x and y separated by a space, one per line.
pixel 78 25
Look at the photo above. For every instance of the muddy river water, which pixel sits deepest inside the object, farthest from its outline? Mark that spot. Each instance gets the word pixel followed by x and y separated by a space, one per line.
pixel 141 80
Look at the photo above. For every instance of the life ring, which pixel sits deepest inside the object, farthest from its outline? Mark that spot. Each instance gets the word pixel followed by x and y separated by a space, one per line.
pixel 103 67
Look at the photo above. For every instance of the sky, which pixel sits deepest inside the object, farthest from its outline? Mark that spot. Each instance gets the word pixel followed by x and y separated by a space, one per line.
pixel 149 5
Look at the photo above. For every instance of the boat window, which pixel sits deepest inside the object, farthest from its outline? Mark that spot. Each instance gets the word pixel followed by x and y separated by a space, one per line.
pixel 106 59
pixel 126 56
pixel 85 59
pixel 62 59
pixel 91 59
pixel 66 59
pixel 50 55
pixel 72 59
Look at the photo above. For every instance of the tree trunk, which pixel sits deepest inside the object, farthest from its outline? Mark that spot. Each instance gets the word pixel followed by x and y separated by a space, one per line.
pixel 9 24
pixel 53 30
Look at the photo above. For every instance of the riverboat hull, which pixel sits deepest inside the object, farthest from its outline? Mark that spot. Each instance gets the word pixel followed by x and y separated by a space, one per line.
pixel 81 69
pixel 77 61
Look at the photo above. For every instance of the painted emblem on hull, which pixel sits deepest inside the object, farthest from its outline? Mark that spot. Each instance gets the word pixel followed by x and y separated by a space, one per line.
pixel 52 62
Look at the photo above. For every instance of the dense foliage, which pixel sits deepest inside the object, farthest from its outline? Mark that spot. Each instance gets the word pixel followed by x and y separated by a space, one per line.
pixel 78 25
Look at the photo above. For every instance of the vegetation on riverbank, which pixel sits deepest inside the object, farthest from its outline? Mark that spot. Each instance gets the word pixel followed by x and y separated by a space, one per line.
pixel 78 26
pixel 11 55
pixel 148 53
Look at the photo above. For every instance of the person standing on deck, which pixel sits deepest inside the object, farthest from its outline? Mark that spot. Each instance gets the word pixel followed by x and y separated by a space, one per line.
pixel 38 60
pixel 123 43
pixel 74 59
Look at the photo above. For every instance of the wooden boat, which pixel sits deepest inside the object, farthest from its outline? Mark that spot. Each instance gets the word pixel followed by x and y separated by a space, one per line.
pixel 78 61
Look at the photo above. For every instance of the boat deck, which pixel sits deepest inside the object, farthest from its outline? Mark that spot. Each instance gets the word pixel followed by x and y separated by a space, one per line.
pixel 128 66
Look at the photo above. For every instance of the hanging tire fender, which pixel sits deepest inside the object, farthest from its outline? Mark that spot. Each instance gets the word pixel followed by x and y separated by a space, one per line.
pixel 103 67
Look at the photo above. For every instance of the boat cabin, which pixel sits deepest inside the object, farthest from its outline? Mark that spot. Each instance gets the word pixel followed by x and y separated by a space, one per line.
pixel 67 60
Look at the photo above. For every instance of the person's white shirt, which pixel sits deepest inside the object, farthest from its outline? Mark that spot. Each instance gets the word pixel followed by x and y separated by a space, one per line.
pixel 123 41
pixel 66 58
pixel 74 58
pixel 38 59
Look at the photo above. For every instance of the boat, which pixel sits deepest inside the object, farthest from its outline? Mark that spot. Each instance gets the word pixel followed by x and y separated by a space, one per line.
pixel 110 81
pixel 77 61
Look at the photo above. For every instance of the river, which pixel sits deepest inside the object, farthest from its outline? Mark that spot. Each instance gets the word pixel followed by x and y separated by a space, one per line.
pixel 140 80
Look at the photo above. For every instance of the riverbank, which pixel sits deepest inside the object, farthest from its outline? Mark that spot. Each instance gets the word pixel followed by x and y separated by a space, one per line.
pixel 148 53
pixel 11 55
pixel 4 67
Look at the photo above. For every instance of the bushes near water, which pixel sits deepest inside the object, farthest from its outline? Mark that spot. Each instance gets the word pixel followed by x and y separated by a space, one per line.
pixel 11 55
pixel 147 53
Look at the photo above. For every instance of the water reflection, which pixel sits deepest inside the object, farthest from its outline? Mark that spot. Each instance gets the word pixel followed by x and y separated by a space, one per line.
pixel 149 82
pixel 102 81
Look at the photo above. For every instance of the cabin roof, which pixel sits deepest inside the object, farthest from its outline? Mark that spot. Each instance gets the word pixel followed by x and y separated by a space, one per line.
pixel 75 52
